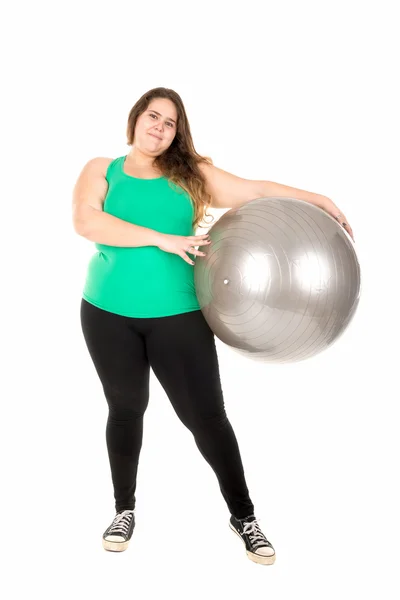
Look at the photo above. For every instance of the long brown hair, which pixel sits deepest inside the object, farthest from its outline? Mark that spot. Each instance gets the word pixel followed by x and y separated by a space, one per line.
pixel 179 163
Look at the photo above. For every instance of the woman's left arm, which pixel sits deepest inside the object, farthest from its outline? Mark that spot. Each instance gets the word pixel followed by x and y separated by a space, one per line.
pixel 229 191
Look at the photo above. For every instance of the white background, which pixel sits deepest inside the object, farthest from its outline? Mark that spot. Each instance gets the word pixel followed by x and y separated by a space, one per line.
pixel 301 93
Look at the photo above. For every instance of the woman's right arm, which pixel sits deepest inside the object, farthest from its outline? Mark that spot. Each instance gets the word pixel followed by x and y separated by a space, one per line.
pixel 91 222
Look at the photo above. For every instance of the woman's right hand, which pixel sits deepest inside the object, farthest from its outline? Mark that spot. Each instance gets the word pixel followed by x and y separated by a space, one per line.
pixel 180 244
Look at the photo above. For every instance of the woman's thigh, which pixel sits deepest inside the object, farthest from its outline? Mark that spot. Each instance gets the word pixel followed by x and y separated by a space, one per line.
pixel 119 355
pixel 182 353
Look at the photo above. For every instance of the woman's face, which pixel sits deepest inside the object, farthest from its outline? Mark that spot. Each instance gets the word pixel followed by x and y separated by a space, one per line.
pixel 156 127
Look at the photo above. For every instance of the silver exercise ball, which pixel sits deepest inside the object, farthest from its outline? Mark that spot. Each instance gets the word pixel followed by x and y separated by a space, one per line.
pixel 280 281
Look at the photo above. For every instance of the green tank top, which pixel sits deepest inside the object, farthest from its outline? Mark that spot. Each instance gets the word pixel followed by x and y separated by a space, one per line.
pixel 143 281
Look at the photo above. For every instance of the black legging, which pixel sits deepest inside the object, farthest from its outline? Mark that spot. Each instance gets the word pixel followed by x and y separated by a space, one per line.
pixel 181 351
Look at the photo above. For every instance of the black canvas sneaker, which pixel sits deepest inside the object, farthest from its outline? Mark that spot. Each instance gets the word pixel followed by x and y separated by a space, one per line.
pixel 258 548
pixel 116 537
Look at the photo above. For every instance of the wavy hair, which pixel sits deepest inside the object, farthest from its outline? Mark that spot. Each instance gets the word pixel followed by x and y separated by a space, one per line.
pixel 179 163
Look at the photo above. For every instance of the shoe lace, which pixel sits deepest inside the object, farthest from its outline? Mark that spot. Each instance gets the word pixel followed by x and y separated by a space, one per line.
pixel 121 522
pixel 256 536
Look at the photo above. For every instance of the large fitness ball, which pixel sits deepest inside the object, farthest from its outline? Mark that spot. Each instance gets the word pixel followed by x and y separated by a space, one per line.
pixel 280 281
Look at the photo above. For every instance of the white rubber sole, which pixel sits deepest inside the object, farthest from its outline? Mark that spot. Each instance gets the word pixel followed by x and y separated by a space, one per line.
pixel 257 558
pixel 115 546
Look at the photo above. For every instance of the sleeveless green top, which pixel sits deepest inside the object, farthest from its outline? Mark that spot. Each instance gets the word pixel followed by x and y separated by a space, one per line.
pixel 143 281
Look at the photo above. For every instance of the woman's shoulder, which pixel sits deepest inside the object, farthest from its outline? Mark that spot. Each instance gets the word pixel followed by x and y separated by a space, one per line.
pixel 102 163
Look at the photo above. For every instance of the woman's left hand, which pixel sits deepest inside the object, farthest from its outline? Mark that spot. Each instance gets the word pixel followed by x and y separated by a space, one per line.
pixel 340 218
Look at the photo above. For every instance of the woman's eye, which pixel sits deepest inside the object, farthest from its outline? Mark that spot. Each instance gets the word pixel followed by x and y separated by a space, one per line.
pixel 152 115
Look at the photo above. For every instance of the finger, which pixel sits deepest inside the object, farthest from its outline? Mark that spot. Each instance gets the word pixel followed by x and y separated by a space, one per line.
pixel 349 231
pixel 194 251
pixel 186 258
pixel 203 243
pixel 343 222
pixel 197 237
pixel 341 219
pixel 347 228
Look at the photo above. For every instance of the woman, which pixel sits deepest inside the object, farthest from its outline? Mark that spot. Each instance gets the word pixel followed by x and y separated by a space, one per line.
pixel 139 307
